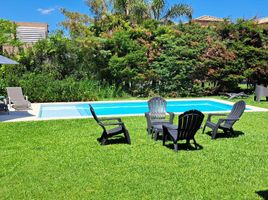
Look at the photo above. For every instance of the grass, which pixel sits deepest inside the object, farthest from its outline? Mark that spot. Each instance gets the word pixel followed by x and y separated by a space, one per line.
pixel 63 160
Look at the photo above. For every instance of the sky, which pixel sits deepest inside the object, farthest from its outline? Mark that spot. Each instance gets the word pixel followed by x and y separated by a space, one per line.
pixel 48 11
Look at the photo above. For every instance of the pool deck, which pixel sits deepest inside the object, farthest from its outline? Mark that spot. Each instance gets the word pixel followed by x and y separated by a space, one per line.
pixel 32 115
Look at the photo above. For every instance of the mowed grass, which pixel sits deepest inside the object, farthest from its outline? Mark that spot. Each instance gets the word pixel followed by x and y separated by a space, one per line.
pixel 63 160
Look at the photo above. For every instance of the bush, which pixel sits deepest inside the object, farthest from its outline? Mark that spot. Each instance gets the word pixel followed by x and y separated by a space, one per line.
pixel 43 88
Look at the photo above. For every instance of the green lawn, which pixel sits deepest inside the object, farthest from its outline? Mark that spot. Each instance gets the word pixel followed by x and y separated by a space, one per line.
pixel 63 160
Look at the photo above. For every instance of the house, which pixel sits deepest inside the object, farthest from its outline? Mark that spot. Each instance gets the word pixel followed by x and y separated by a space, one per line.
pixel 28 33
pixel 207 20
pixel 262 21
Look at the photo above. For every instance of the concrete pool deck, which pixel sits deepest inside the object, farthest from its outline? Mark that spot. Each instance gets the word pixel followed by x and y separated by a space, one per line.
pixel 33 114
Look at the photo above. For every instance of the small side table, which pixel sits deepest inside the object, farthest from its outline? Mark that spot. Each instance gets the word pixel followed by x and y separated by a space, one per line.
pixel 158 128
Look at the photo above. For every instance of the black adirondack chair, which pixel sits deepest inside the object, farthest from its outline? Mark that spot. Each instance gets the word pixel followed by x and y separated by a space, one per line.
pixel 104 122
pixel 189 123
pixel 157 113
pixel 226 124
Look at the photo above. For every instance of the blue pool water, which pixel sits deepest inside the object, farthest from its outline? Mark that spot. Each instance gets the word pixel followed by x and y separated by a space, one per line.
pixel 127 108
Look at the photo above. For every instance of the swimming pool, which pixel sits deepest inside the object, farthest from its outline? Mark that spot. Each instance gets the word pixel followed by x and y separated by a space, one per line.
pixel 113 108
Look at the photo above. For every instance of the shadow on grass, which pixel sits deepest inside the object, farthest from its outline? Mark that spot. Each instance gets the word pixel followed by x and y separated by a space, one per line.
pixel 263 194
pixel 115 140
pixel 181 146
pixel 184 146
pixel 226 135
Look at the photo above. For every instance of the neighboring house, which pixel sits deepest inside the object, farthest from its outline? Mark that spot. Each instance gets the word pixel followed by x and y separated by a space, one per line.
pixel 262 21
pixel 207 20
pixel 28 33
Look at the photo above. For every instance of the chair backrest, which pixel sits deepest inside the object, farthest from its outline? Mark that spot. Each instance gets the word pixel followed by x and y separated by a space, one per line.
pixel 236 112
pixel 261 90
pixel 189 123
pixel 15 93
pixel 157 108
pixel 95 116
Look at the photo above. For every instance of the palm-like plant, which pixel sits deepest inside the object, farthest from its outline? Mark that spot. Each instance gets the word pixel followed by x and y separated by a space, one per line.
pixel 157 9
pixel 137 10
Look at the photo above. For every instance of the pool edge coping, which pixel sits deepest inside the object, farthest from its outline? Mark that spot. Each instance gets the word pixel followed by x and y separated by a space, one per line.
pixel 36 109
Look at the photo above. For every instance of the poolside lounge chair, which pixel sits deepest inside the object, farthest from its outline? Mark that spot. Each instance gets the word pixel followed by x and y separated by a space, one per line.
pixel 234 95
pixel 226 124
pixel 17 100
pixel 188 125
pixel 104 122
pixel 157 113
pixel 260 92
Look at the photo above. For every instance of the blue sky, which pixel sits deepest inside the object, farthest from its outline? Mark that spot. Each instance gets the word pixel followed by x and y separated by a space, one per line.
pixel 48 10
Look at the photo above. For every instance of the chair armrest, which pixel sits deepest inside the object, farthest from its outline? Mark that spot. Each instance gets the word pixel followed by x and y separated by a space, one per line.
pixel 215 114
pixel 171 117
pixel 170 126
pixel 147 115
pixel 111 124
pixel 112 118
pixel 229 119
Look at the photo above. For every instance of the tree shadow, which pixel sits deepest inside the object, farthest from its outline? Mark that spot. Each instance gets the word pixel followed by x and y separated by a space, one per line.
pixel 115 140
pixel 263 194
pixel 16 115
pixel 226 135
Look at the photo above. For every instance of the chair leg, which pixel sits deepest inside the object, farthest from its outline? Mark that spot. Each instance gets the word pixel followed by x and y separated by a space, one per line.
pixel 188 144
pixel 126 134
pixel 164 139
pixel 176 146
pixel 155 134
pixel 149 131
pixel 232 131
pixel 103 141
pixel 204 129
pixel 195 144
pixel 214 132
pixel 102 136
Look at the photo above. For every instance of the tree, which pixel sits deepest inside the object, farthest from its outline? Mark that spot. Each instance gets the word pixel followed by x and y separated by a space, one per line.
pixel 76 23
pixel 7 34
pixel 157 8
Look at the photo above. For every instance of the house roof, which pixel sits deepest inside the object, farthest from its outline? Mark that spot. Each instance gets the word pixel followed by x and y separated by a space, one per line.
pixel 262 20
pixel 209 19
pixel 32 24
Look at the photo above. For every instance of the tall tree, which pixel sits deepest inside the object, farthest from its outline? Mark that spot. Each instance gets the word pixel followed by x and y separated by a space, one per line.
pixel 159 12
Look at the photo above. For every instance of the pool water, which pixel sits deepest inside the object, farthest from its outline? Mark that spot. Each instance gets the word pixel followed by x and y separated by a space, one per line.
pixel 127 108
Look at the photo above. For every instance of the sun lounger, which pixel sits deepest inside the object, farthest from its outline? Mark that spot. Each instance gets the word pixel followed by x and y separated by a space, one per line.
pixel 234 95
pixel 17 100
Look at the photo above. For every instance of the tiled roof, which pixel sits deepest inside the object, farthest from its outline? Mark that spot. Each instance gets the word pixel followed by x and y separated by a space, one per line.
pixel 262 20
pixel 209 18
